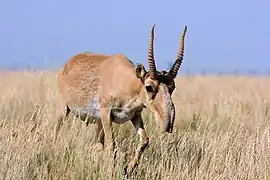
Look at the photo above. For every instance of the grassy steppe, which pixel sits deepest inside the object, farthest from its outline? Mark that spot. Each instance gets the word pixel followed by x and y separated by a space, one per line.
pixel 222 132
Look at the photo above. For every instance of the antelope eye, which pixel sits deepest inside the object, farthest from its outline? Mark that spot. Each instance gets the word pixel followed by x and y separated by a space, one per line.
pixel 149 88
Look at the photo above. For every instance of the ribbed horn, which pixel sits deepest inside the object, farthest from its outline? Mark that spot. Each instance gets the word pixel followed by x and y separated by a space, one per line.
pixel 151 59
pixel 173 71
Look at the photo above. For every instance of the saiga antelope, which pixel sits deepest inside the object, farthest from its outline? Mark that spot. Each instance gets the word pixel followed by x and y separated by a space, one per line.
pixel 109 88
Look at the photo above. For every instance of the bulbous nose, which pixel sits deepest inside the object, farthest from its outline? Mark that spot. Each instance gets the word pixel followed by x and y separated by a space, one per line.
pixel 164 110
pixel 168 130
pixel 167 123
pixel 164 126
pixel 172 118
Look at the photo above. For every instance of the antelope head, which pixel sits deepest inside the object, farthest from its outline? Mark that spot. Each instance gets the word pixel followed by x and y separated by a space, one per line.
pixel 159 86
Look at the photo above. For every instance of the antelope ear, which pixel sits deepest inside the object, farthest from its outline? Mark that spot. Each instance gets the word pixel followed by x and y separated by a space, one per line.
pixel 140 71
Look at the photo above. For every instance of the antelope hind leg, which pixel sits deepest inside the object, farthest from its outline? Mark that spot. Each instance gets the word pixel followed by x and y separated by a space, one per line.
pixel 99 138
pixel 109 138
pixel 59 123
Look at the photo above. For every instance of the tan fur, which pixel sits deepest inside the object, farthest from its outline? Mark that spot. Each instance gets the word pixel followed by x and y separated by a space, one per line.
pixel 78 73
pixel 109 88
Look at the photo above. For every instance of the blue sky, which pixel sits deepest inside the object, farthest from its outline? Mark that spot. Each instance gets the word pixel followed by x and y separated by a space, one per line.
pixel 222 35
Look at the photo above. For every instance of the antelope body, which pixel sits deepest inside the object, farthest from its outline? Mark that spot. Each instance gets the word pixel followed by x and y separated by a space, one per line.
pixel 109 88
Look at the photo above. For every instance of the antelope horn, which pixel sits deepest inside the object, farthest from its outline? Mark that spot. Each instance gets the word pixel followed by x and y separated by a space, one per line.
pixel 173 71
pixel 151 59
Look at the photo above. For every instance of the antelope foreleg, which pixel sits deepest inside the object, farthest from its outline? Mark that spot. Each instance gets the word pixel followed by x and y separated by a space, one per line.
pixel 143 143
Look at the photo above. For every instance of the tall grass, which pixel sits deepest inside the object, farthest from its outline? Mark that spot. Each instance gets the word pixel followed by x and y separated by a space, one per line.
pixel 221 132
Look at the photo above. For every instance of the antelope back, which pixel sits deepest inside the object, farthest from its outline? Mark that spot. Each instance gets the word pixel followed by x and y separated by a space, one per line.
pixel 88 76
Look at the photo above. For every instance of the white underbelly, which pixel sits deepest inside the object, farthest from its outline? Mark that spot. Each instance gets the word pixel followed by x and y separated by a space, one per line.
pixel 91 112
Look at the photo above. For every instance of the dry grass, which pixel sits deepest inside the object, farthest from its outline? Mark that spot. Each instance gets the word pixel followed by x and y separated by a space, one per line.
pixel 222 132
